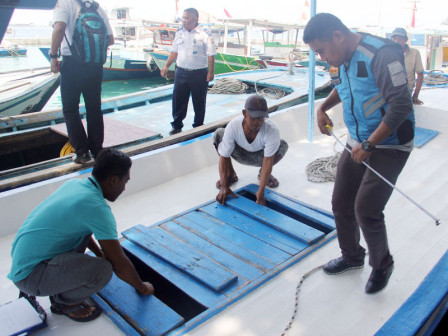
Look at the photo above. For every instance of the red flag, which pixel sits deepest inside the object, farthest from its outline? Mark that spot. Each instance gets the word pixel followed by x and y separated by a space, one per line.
pixel 413 15
pixel 227 13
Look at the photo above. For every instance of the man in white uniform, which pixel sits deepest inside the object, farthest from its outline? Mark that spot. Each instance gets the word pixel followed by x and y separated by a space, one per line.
pixel 76 78
pixel 193 50
pixel 251 140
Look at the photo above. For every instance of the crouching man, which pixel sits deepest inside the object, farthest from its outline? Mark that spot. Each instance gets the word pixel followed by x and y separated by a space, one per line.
pixel 48 252
pixel 251 140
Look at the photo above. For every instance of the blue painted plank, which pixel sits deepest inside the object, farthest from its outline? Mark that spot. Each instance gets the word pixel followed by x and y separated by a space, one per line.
pixel 241 252
pixel 197 291
pixel 277 220
pixel 423 136
pixel 255 228
pixel 120 322
pixel 413 314
pixel 182 256
pixel 147 314
pixel 221 256
pixel 237 237
pixel 295 207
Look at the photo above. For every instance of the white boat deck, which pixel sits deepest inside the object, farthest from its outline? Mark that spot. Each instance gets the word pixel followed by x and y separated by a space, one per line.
pixel 179 178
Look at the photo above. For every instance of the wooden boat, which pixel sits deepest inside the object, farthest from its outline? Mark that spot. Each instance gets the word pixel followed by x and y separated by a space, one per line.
pixel 224 62
pixel 121 68
pixel 413 302
pixel 26 91
pixel 13 50
pixel 150 110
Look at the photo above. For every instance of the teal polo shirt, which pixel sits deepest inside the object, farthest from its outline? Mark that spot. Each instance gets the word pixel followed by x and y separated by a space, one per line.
pixel 59 224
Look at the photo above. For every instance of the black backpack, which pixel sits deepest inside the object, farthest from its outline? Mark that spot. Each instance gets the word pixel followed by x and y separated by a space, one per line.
pixel 90 35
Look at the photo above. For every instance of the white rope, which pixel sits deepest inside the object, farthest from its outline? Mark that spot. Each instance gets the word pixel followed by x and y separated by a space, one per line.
pixel 272 93
pixel 228 86
pixel 323 169
pixel 435 78
pixel 235 86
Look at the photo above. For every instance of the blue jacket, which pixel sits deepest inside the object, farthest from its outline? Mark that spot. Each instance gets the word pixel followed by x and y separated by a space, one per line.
pixel 363 102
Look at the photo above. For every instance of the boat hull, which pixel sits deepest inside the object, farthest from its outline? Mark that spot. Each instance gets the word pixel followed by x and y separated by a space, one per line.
pixel 224 63
pixel 32 99
pixel 120 68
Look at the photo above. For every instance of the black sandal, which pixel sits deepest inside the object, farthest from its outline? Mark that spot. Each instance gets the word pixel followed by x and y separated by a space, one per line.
pixel 62 309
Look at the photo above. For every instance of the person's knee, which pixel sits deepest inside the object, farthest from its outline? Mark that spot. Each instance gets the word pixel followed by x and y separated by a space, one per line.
pixel 282 149
pixel 217 137
pixel 341 205
pixel 103 272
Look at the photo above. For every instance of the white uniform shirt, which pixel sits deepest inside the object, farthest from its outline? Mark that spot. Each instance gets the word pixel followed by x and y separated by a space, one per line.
pixel 67 11
pixel 268 138
pixel 193 48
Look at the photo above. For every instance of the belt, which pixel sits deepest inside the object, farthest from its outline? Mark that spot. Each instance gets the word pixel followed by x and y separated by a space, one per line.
pixel 183 69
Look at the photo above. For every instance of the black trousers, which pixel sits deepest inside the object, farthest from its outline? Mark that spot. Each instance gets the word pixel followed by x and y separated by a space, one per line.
pixel 186 83
pixel 359 198
pixel 77 78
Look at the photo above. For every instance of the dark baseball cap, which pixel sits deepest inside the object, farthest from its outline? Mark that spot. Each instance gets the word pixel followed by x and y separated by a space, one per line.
pixel 399 32
pixel 257 106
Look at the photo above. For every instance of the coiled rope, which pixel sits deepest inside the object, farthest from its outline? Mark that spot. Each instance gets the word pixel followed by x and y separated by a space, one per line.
pixel 228 86
pixel 66 149
pixel 235 86
pixel 435 77
pixel 324 169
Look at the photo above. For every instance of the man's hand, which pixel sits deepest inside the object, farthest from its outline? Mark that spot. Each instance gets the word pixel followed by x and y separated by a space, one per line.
pixel 163 72
pixel 260 199
pixel 210 76
pixel 223 193
pixel 323 120
pixel 416 101
pixel 147 289
pixel 54 65
pixel 359 154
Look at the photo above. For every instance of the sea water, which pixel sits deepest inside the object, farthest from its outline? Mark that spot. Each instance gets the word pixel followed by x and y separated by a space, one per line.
pixel 35 59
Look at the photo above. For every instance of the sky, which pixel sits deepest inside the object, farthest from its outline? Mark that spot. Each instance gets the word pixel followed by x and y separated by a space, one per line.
pixel 354 13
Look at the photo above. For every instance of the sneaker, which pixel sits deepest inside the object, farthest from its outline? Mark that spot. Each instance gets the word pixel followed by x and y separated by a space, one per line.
pixel 340 265
pixel 175 131
pixel 82 158
pixel 378 279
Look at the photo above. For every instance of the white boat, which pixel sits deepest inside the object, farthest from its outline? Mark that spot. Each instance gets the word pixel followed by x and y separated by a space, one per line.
pixel 26 91
pixel 177 178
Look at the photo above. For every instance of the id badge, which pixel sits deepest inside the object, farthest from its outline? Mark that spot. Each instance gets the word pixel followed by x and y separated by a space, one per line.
pixel 335 76
pixel 195 48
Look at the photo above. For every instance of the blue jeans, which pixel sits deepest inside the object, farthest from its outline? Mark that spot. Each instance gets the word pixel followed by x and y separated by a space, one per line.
pixel 77 78
pixel 186 83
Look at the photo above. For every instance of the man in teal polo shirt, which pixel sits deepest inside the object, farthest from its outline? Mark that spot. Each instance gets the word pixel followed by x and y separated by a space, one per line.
pixel 48 252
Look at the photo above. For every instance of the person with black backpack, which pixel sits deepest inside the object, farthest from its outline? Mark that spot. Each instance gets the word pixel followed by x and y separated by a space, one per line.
pixel 82 33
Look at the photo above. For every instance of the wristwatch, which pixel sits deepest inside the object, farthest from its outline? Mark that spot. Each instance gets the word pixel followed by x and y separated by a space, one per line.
pixel 53 56
pixel 366 146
